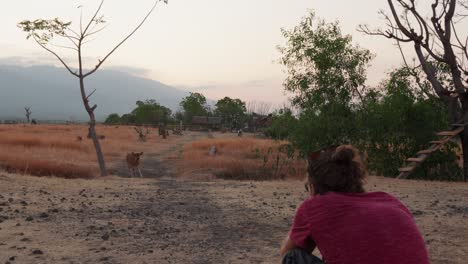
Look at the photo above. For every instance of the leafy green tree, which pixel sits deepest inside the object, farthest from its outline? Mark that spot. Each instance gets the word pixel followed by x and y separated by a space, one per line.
pixel 113 119
pixel 323 66
pixel 232 111
pixel 193 105
pixel 151 112
pixel 326 74
pixel 43 32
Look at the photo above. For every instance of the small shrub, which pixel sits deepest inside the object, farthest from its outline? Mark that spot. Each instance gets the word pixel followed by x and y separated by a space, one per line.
pixel 245 159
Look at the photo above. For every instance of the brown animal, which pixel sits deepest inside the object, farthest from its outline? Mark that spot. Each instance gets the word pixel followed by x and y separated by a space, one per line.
pixel 133 163
pixel 79 138
pixel 102 137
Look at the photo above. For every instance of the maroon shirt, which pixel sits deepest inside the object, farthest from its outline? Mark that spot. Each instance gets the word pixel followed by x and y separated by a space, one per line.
pixel 364 228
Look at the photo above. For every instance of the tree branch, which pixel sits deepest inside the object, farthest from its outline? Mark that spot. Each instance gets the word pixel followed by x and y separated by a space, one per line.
pixel 56 55
pixel 87 97
pixel 83 33
pixel 122 42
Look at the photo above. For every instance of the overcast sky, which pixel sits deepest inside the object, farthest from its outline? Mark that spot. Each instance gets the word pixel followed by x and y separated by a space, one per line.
pixel 218 47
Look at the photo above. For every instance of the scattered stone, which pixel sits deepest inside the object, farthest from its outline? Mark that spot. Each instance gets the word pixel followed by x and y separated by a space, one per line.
pixel 3 218
pixel 417 213
pixel 104 259
pixel 105 237
pixel 37 252
pixel 44 215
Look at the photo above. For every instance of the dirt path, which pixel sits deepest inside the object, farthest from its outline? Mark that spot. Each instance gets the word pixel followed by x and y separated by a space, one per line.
pixel 160 219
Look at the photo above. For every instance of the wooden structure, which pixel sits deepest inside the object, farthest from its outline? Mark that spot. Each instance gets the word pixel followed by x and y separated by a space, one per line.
pixel 421 156
pixel 259 122
pixel 206 122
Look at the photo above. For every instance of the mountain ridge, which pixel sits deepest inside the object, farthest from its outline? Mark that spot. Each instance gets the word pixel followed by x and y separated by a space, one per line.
pixel 53 94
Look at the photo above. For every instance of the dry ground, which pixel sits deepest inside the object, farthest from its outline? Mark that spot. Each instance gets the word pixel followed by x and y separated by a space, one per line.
pixel 166 218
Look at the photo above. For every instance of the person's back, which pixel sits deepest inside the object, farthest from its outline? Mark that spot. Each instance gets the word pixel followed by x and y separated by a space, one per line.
pixel 347 224
pixel 359 228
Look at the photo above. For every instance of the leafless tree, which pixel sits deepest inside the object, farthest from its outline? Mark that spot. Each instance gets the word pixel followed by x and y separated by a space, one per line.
pixel 142 133
pixel 258 107
pixel 28 113
pixel 43 32
pixel 440 49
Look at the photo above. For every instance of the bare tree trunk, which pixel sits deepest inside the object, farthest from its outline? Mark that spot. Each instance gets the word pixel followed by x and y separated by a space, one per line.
pixel 464 135
pixel 92 129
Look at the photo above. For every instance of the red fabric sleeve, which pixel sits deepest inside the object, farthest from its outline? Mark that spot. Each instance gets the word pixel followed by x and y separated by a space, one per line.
pixel 300 230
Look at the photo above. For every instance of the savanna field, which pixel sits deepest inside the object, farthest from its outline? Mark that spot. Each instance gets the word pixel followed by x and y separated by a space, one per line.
pixel 190 206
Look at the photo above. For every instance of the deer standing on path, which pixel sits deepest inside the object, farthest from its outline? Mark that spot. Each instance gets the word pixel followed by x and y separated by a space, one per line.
pixel 133 163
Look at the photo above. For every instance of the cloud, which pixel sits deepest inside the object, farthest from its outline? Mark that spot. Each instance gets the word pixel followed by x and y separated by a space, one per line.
pixel 38 59
pixel 140 72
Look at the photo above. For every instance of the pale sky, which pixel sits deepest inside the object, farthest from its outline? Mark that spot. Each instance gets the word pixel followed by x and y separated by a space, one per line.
pixel 217 47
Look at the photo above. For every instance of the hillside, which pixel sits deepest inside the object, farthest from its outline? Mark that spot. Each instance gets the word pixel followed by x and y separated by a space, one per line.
pixel 53 94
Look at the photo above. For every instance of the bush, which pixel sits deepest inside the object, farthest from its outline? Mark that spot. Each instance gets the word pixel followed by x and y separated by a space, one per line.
pixel 113 119
pixel 282 124
pixel 245 159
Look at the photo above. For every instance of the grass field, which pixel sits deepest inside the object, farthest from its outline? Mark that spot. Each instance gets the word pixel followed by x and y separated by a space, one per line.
pixel 54 150
pixel 245 158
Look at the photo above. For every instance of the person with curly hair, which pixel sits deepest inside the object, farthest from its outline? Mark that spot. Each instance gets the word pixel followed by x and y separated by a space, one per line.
pixel 346 223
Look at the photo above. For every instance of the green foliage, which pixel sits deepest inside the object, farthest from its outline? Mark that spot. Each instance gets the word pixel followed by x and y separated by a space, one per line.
pixel 283 124
pixel 151 112
pixel 232 111
pixel 318 129
pixel 113 119
pixel 391 123
pixel 194 105
pixel 44 30
pixel 397 125
pixel 276 162
pixel 128 119
pixel 323 66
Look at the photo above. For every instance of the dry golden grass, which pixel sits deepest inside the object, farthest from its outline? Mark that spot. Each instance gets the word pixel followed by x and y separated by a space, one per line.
pixel 242 159
pixel 53 150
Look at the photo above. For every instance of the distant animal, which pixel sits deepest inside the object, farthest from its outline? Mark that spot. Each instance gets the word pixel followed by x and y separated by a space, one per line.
pixel 213 151
pixel 79 138
pixel 162 131
pixel 133 163
pixel 102 137
pixel 239 133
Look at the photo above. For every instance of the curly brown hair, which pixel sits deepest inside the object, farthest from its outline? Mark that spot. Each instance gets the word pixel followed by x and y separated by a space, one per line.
pixel 336 169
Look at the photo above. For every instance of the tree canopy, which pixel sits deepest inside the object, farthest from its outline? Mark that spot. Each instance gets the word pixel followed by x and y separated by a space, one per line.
pixel 151 112
pixel 232 111
pixel 194 105
pixel 323 65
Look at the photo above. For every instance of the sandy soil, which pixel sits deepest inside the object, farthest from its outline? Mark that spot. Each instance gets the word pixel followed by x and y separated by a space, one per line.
pixel 165 218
